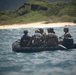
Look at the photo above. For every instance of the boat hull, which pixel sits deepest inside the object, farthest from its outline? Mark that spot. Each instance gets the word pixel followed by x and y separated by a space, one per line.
pixel 16 47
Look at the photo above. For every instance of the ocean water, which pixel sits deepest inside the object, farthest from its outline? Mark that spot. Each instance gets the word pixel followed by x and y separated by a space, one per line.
pixel 40 63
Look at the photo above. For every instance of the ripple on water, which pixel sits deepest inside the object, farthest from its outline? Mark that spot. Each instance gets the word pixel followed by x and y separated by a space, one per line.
pixel 42 63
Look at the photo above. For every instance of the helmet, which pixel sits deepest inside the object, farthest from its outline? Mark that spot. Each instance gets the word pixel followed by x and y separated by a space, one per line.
pixel 25 31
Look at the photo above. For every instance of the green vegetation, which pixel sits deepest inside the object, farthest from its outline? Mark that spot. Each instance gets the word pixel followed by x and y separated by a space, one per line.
pixel 40 10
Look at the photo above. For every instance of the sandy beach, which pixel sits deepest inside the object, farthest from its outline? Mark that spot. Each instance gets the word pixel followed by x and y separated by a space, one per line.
pixel 37 25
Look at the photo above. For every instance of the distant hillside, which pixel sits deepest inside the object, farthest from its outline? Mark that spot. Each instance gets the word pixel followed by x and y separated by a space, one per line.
pixel 44 6
pixel 58 0
pixel 15 4
pixel 41 10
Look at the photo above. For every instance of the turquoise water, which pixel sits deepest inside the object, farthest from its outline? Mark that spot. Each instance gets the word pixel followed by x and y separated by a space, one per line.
pixel 41 63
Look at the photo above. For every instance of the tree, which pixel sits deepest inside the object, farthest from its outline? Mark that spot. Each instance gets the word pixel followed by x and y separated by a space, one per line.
pixel 73 2
pixel 39 0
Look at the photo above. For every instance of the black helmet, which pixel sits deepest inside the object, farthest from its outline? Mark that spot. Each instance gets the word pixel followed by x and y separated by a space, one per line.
pixel 41 30
pixel 50 30
pixel 66 29
pixel 25 31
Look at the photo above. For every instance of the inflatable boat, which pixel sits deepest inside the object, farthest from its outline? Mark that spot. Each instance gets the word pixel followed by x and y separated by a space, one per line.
pixel 17 48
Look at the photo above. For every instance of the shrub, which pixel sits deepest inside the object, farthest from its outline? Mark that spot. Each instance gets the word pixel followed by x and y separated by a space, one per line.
pixel 70 10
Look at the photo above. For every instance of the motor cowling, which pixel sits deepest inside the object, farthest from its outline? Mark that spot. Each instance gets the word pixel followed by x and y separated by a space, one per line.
pixel 68 42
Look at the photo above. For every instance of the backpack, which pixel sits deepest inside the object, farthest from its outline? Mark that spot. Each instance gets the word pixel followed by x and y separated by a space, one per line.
pixel 68 42
pixel 37 40
pixel 50 40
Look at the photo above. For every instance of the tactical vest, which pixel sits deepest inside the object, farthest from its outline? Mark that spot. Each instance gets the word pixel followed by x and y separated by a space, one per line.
pixel 37 40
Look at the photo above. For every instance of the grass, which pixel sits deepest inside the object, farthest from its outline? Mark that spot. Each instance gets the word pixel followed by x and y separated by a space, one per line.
pixel 35 17
pixel 57 12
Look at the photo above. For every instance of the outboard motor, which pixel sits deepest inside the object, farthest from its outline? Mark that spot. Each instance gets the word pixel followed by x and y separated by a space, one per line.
pixel 68 42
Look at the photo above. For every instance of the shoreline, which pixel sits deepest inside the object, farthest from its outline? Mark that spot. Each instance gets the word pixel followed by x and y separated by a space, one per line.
pixel 37 25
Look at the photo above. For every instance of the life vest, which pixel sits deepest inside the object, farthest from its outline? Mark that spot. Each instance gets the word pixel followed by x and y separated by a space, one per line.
pixel 24 40
pixel 37 39
pixel 67 35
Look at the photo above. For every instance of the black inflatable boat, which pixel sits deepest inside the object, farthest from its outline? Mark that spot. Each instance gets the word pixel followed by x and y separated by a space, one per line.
pixel 16 47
